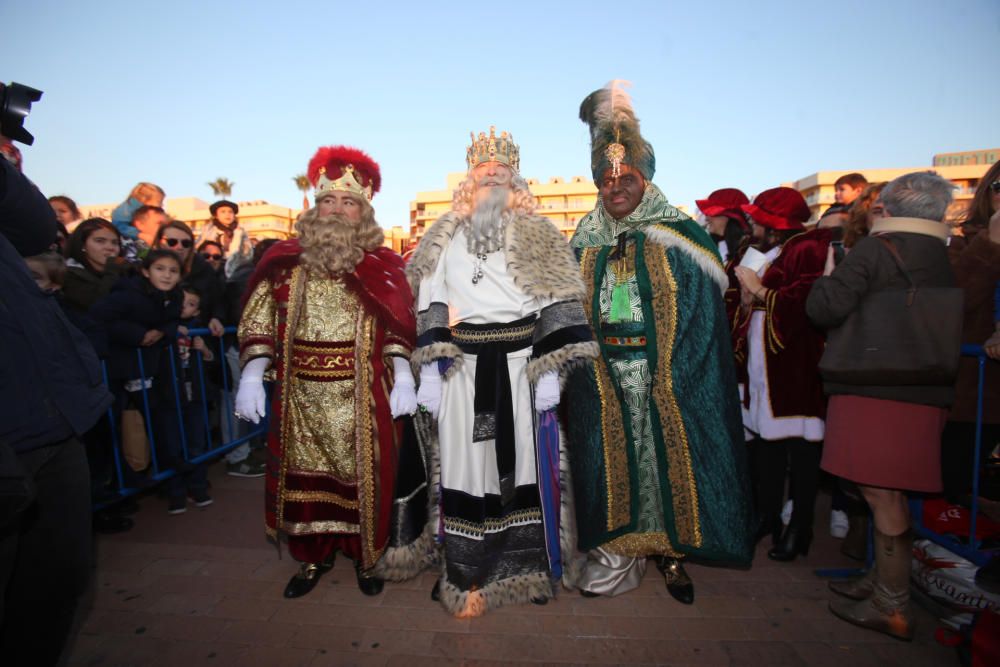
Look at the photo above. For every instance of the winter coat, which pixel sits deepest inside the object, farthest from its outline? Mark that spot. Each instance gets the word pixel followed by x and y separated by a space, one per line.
pixel 51 385
pixel 869 268
pixel 131 309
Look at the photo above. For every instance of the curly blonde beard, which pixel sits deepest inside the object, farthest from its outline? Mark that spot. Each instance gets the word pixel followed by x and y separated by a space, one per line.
pixel 486 220
pixel 332 244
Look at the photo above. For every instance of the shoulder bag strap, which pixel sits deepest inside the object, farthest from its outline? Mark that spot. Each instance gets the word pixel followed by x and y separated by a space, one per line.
pixel 891 247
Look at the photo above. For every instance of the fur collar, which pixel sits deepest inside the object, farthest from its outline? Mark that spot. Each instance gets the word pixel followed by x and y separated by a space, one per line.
pixel 931 228
pixel 538 257
pixel 669 236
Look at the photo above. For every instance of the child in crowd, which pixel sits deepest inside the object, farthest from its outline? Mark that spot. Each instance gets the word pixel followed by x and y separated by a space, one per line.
pixel 142 312
pixel 184 434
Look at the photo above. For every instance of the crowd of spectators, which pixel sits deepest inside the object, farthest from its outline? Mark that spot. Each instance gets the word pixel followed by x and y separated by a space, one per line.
pixel 142 282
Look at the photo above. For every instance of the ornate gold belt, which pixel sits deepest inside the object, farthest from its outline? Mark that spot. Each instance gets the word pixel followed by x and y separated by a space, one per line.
pixel 323 362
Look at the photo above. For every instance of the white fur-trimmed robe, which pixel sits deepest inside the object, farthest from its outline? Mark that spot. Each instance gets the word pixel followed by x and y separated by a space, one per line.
pixel 541 268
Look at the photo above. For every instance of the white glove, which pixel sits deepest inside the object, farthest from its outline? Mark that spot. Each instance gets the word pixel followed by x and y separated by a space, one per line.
pixel 251 402
pixel 429 393
pixel 403 399
pixel 547 391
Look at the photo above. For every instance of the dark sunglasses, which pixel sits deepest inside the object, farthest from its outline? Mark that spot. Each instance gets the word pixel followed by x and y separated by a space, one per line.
pixel 184 243
pixel 995 186
pixel 211 255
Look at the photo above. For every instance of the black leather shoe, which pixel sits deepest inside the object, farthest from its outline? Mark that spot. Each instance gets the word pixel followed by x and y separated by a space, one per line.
pixel 791 545
pixel 366 584
pixel 306 579
pixel 436 591
pixel 679 584
pixel 541 602
pixel 589 594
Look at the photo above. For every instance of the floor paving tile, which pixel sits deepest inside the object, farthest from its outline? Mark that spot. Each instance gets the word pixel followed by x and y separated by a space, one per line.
pixel 206 588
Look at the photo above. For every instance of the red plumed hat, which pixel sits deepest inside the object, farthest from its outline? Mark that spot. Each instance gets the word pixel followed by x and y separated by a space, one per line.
pixel 344 169
pixel 779 208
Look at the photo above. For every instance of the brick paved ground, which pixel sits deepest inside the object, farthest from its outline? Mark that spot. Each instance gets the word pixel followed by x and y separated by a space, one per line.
pixel 204 588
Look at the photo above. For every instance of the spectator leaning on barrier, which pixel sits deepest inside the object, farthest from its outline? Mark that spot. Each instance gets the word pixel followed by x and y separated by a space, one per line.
pixel 188 389
pixel 51 391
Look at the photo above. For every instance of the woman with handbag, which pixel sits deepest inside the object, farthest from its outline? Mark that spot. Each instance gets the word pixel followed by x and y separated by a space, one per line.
pixel 888 403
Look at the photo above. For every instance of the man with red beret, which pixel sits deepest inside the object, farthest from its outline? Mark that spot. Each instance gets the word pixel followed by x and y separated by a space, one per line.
pixel 777 357
pixel 329 316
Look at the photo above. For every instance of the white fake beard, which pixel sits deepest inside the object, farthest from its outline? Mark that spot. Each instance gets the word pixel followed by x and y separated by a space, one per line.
pixel 488 221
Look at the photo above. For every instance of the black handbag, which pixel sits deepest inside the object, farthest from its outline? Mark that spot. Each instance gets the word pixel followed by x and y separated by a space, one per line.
pixel 898 337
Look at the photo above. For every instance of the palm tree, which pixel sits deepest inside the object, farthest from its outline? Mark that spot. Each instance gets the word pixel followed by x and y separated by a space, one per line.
pixel 302 183
pixel 221 187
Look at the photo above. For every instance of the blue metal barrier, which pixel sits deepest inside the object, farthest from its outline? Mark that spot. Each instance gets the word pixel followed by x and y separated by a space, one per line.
pixel 971 550
pixel 155 473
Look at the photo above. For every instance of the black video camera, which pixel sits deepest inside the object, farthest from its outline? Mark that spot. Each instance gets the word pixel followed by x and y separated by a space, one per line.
pixel 15 105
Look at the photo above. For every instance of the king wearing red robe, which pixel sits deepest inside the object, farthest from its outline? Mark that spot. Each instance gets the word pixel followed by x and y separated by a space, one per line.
pixel 329 318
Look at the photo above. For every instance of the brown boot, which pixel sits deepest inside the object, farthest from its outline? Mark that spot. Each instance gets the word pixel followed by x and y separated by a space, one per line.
pixel 855 544
pixel 888 608
pixel 858 588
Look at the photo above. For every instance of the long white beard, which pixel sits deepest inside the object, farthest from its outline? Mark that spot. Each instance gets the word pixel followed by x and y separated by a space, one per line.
pixel 486 226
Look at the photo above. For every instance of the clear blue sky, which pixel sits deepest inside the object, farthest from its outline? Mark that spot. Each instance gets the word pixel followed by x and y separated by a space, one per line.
pixel 729 93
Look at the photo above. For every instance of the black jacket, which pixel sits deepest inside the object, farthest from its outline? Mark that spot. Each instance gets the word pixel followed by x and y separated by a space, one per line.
pixel 83 287
pixel 131 309
pixel 211 287
pixel 868 268
pixel 51 385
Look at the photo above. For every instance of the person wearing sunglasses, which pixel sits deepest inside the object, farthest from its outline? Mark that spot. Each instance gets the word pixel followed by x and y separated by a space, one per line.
pixel 212 253
pixel 195 270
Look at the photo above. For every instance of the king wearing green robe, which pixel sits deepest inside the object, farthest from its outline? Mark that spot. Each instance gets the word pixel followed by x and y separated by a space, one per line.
pixel 656 439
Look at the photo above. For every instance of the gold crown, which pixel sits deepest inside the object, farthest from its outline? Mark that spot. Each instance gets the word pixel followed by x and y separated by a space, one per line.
pixel 500 149
pixel 347 182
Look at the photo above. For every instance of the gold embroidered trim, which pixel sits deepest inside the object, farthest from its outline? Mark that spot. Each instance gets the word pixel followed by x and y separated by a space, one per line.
pixel 320 497
pixel 396 350
pixel 256 350
pixel 492 525
pixel 306 348
pixel 636 545
pixel 295 288
pixel 320 527
pixel 675 443
pixel 367 438
pixel 773 341
pixel 493 335
pixel 617 480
